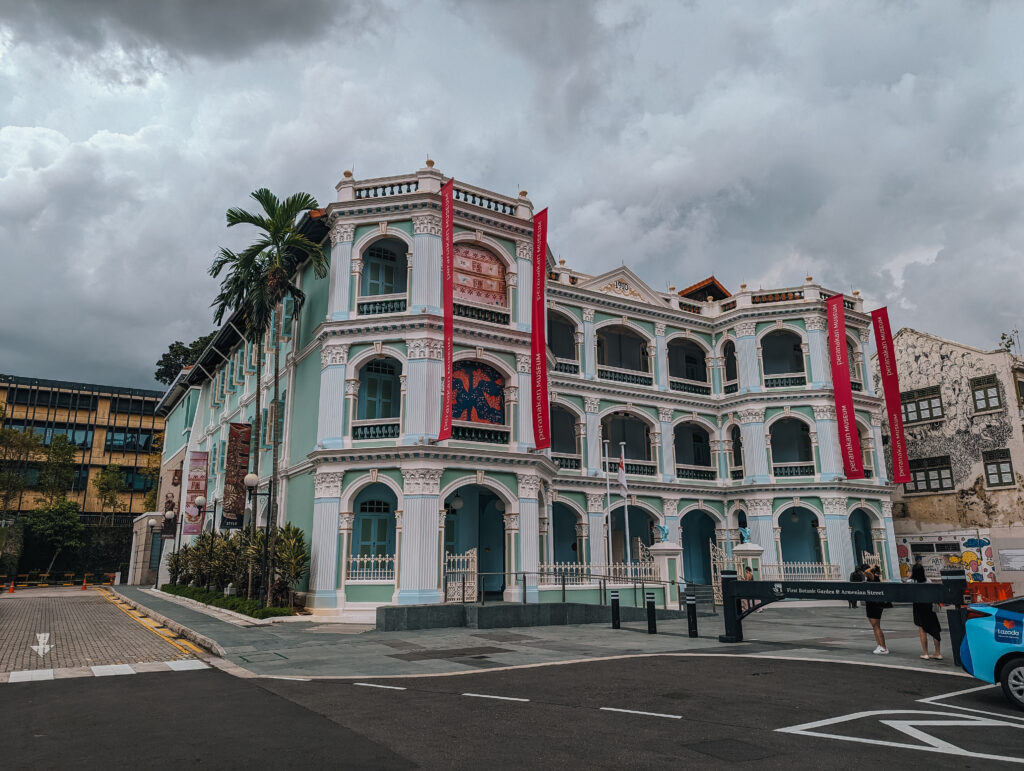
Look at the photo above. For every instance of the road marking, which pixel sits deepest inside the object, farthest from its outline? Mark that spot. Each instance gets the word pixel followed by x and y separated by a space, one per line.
pixel 931 699
pixel 637 712
pixel 909 727
pixel 287 677
pixel 124 608
pixel 42 648
pixel 104 670
pixel 182 666
pixel 29 675
pixel 935 701
pixel 378 685
pixel 488 696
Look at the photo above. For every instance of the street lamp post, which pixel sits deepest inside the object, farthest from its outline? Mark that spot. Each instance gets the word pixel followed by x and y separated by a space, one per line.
pixel 252 481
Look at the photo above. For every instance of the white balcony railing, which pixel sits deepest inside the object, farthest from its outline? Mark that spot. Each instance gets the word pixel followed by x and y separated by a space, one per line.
pixel 577 573
pixel 371 567
pixel 800 571
pixel 622 375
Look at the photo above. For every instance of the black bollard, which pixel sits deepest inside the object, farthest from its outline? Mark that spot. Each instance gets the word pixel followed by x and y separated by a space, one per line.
pixel 733 625
pixel 691 615
pixel 652 621
pixel 615 609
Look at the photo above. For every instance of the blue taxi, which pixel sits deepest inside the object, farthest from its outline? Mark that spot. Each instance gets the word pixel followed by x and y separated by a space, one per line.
pixel 993 646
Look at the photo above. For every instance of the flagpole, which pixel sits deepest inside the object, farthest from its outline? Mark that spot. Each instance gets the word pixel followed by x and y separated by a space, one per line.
pixel 625 506
pixel 607 507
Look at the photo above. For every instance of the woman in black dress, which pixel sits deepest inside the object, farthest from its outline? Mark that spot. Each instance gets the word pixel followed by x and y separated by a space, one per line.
pixel 925 619
pixel 874 614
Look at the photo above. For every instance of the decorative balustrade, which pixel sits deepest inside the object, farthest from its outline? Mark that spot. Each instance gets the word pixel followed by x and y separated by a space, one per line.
pixel 690 386
pixel 728 306
pixel 375 429
pixel 481 313
pixel 577 573
pixel 568 366
pixel 790 380
pixel 736 473
pixel 706 473
pixel 639 467
pixel 800 571
pixel 371 567
pixel 848 304
pixel 731 387
pixel 630 376
pixel 689 308
pixel 777 297
pixel 868 473
pixel 393 303
pixel 564 461
pixel 856 385
pixel 475 198
pixel 387 189
pixel 480 432
pixel 793 469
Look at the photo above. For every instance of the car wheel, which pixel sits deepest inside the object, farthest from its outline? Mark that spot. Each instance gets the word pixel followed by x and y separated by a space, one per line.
pixel 1012 680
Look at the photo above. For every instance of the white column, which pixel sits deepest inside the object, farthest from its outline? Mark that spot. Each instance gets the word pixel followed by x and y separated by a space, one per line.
pixel 830 456
pixel 426 275
pixel 342 234
pixel 890 542
pixel 867 345
pixel 323 546
pixel 594 449
pixel 881 470
pixel 589 345
pixel 330 429
pixel 524 424
pixel 661 356
pixel 425 371
pixel 420 547
pixel 755 456
pixel 597 531
pixel 523 312
pixel 746 357
pixel 529 531
pixel 762 528
pixel 837 530
pixel 817 346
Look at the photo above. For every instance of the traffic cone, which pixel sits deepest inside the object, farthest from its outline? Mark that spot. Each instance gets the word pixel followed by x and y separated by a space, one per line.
pixel 84 587
pixel 11 590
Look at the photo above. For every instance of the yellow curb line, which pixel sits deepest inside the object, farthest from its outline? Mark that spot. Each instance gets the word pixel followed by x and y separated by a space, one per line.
pixel 176 643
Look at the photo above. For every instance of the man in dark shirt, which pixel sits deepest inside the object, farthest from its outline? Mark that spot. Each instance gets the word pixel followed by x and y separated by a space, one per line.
pixel 856 576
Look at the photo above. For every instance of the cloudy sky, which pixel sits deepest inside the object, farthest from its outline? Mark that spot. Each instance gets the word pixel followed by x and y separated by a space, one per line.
pixel 876 146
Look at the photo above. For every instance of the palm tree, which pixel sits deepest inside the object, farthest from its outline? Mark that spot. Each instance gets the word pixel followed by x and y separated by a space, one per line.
pixel 267 271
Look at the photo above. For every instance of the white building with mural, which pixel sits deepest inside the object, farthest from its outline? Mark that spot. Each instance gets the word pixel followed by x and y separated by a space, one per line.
pixel 963 415
pixel 722 402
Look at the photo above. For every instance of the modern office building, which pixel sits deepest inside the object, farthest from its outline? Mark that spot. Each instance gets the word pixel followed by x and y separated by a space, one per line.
pixel 722 403
pixel 963 410
pixel 107 424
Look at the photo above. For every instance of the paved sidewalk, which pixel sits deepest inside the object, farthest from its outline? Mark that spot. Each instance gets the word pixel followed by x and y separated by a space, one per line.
pixel 310 649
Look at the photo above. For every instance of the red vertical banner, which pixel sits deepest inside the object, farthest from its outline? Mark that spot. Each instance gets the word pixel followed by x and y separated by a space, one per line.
pixel 538 337
pixel 891 388
pixel 846 420
pixel 197 462
pixel 447 301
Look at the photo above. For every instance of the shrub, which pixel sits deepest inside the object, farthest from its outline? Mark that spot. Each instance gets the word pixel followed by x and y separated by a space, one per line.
pixel 237 604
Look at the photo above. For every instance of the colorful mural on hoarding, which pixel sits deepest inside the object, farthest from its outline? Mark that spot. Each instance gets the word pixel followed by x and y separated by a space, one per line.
pixel 478 393
pixel 971 552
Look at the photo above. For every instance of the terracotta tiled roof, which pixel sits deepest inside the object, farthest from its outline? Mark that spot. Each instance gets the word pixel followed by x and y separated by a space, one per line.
pixel 709 286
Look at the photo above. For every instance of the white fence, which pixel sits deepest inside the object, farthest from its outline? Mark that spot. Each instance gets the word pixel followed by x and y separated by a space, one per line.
pixel 576 573
pixel 373 567
pixel 800 571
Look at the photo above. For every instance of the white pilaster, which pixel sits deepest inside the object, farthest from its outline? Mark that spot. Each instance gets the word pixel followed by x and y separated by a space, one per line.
pixel 330 432
pixel 323 561
pixel 755 456
pixel 529 531
pixel 831 457
pixel 426 277
pixel 419 579
pixel 746 357
pixel 425 372
pixel 342 234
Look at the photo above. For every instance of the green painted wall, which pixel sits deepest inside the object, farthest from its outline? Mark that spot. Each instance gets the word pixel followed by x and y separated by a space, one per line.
pixel 369 592
pixel 315 308
pixel 300 503
pixel 304 401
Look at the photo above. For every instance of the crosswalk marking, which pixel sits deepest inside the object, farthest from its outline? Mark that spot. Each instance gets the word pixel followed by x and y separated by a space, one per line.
pixel 103 670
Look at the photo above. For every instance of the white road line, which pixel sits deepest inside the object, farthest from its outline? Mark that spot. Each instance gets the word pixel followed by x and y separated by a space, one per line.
pixel 286 677
pixel 378 685
pixel 936 701
pixel 930 699
pixel 112 669
pixel 28 675
pixel 637 712
pixel 186 664
pixel 488 696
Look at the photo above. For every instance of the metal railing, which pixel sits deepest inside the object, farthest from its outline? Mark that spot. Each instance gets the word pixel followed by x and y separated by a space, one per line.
pixel 790 380
pixel 480 432
pixel 567 366
pixel 639 467
pixel 799 571
pixel 376 429
pixel 567 461
pixel 371 567
pixel 805 469
pixel 577 573
pixel 707 473
pixel 392 303
pixel 690 386
pixel 619 375
pixel 481 313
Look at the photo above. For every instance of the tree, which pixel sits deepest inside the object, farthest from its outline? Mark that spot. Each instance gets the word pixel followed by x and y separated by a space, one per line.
pixel 292 557
pixel 16 450
pixel 1010 341
pixel 151 471
pixel 262 277
pixel 57 473
pixel 178 356
pixel 109 485
pixel 59 525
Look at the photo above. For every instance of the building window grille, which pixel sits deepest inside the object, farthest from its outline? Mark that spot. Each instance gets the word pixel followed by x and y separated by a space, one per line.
pixel 921 405
pixel 985 391
pixel 930 475
pixel 998 468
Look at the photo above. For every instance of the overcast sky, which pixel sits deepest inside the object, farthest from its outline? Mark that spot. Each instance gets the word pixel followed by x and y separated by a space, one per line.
pixel 876 146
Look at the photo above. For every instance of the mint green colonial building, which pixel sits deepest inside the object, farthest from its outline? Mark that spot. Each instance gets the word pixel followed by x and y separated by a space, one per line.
pixel 722 404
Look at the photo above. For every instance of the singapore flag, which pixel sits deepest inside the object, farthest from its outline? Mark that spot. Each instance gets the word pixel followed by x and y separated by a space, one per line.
pixel 623 488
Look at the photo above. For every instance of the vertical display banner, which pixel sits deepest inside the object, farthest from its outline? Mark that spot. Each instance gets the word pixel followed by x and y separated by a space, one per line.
pixel 849 442
pixel 197 463
pixel 891 388
pixel 538 337
pixel 236 466
pixel 447 302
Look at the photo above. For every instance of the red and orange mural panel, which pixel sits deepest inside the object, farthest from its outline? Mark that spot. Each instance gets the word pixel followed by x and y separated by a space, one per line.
pixel 478 393
pixel 479 276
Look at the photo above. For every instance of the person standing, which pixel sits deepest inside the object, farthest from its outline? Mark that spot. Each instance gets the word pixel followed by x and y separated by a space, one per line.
pixel 856 577
pixel 874 613
pixel 925 618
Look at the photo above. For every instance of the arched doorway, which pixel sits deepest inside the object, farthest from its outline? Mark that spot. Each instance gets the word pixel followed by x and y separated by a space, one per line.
pixel 697 534
pixel 640 525
pixel 860 535
pixel 474 519
pixel 564 546
pixel 373 533
pixel 799 535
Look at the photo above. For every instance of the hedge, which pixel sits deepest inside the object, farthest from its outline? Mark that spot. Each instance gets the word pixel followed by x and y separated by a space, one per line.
pixel 237 604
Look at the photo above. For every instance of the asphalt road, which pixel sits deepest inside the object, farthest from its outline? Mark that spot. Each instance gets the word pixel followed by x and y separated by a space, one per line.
pixel 697 710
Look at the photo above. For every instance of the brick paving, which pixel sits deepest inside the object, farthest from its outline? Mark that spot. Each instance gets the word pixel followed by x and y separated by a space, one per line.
pixel 85 630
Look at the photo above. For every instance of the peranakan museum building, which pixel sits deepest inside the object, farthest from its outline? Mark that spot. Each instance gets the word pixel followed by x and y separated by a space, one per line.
pixel 722 403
